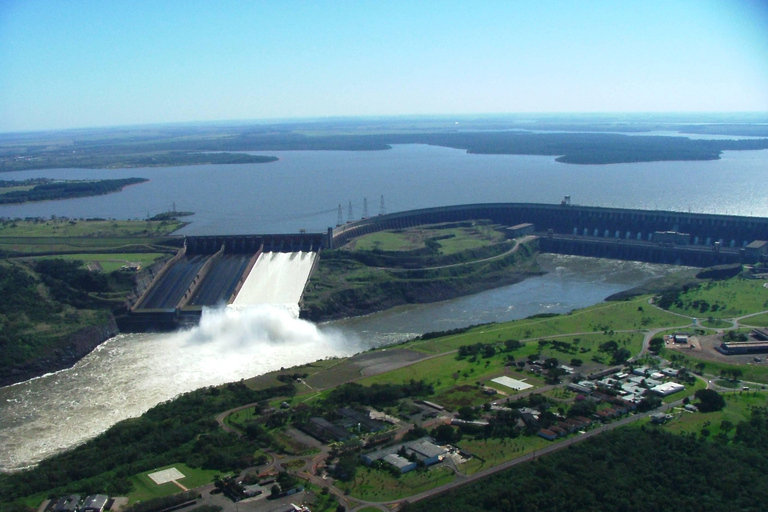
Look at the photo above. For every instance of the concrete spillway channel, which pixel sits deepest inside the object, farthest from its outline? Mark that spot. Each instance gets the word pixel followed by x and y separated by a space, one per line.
pixel 220 282
pixel 169 289
pixel 190 282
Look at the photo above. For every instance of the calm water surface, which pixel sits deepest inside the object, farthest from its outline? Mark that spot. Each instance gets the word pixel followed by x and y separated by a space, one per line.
pixel 130 373
pixel 304 188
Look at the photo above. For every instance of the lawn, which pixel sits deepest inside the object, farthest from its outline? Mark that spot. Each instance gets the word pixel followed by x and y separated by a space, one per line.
pixel 635 314
pixel 145 488
pixel 29 237
pixel 86 228
pixel 716 323
pixel 111 262
pixel 451 239
pixel 757 320
pixel 737 409
pixel 239 418
pixel 750 372
pixel 444 372
pixel 380 485
pixel 492 452
pixel 723 299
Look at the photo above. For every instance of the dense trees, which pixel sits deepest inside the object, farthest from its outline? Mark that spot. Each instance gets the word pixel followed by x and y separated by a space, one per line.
pixel 629 469
pixel 182 430
pixel 709 400
pixel 49 189
pixel 377 394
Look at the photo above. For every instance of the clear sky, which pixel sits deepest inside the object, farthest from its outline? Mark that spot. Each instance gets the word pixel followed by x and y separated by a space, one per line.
pixel 76 63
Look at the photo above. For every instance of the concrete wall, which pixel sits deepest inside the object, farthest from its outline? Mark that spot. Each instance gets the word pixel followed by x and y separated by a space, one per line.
pixel 704 229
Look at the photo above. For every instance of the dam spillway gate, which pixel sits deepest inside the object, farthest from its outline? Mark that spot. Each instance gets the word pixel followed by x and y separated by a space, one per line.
pixel 211 271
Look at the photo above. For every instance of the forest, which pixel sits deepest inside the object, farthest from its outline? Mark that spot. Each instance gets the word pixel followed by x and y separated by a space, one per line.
pixel 97 158
pixel 50 292
pixel 181 430
pixel 47 190
pixel 640 469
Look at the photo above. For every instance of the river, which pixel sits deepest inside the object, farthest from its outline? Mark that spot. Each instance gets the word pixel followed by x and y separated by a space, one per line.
pixel 130 373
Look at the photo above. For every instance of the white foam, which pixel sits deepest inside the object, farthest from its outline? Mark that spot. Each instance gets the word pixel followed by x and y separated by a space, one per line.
pixel 277 278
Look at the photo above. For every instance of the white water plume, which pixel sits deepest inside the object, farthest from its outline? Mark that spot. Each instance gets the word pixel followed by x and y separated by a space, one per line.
pixel 130 373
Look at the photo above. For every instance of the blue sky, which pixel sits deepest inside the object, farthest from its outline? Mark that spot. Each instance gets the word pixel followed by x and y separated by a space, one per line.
pixel 81 64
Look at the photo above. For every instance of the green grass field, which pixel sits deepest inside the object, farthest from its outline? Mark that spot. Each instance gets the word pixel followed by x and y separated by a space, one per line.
pixel 145 488
pixel 757 320
pixel 111 262
pixel 737 409
pixel 712 369
pixel 86 228
pixel 70 236
pixel 604 317
pixel 732 298
pixel 492 452
pixel 379 485
pixel 452 239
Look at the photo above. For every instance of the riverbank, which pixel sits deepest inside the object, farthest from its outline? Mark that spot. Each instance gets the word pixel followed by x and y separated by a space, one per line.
pixel 418 265
pixel 69 350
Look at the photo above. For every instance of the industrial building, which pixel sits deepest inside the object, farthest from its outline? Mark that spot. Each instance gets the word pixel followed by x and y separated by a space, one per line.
pixel 421 450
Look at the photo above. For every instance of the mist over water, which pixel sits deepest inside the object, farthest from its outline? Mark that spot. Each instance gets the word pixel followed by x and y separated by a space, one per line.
pixel 130 373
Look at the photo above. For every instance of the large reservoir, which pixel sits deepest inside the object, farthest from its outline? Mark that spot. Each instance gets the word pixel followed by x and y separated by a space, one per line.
pixel 303 190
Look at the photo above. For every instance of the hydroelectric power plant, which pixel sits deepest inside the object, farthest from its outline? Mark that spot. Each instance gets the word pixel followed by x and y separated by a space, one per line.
pixel 243 270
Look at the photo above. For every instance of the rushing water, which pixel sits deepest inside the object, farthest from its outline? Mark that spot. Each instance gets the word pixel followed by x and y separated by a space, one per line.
pixel 132 372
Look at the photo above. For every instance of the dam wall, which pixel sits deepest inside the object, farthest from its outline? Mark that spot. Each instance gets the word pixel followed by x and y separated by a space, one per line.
pixel 632 250
pixel 704 229
pixel 602 225
pixel 250 244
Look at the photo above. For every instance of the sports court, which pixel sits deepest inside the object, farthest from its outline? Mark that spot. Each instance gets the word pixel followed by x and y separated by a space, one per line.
pixel 166 475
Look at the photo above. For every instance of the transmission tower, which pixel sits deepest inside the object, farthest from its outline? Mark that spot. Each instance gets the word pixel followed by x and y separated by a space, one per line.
pixel 350 217
pixel 339 219
pixel 365 207
pixel 382 210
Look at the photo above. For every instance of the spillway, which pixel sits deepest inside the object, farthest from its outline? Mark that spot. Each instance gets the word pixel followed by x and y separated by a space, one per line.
pixel 277 278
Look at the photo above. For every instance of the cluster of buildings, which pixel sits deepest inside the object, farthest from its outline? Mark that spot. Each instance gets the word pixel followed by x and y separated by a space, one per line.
pixel 632 387
pixel 563 427
pixel 406 456
pixel 73 503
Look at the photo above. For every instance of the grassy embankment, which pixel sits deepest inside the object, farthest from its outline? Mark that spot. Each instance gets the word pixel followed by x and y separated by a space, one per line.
pixel 622 322
pixel 719 301
pixel 49 295
pixel 392 268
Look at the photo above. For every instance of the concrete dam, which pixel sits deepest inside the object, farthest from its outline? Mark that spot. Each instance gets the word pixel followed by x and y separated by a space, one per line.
pixel 243 270
pixel 231 271
pixel 657 236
